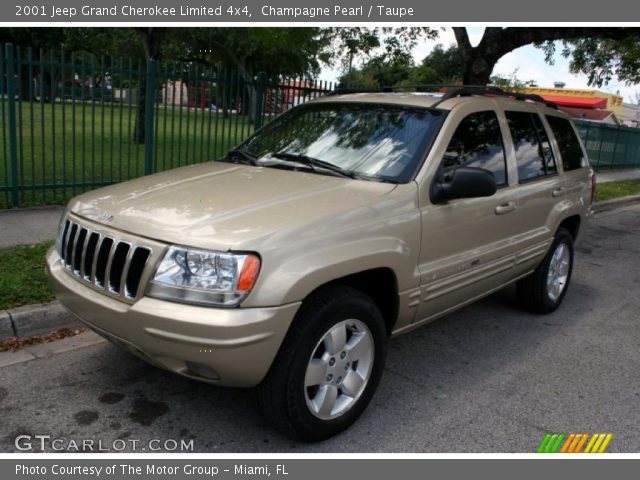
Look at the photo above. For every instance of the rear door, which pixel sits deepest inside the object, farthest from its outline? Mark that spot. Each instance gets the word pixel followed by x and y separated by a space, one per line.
pixel 573 160
pixel 538 184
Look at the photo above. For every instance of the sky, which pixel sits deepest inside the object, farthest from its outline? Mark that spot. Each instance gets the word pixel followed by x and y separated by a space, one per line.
pixel 528 61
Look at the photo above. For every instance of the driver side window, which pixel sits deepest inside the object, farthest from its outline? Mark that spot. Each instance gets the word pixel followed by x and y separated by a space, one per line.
pixel 477 142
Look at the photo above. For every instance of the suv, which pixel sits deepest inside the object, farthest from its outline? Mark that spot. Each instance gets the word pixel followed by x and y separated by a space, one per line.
pixel 290 263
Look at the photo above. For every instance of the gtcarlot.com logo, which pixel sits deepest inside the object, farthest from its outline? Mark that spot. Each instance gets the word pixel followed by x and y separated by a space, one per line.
pixel 574 443
pixel 46 443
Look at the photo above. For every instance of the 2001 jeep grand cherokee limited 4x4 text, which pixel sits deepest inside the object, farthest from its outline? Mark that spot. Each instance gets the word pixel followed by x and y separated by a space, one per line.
pixel 342 222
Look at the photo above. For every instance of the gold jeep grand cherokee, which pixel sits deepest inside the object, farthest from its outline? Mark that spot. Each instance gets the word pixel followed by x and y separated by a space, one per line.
pixel 290 263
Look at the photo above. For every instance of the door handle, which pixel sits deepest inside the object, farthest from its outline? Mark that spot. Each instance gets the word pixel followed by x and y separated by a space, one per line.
pixel 564 190
pixel 505 208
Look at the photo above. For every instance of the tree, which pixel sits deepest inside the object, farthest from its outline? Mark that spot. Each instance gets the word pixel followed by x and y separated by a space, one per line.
pixel 601 58
pixel 358 79
pixel 41 41
pixel 145 42
pixel 496 42
pixel 390 47
pixel 151 38
pixel 511 82
pixel 442 65
pixel 249 51
pixel 345 43
pixel 110 42
pixel 380 71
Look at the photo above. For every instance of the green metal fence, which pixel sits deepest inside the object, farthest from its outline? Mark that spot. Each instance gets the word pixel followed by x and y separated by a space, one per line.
pixel 71 122
pixel 610 146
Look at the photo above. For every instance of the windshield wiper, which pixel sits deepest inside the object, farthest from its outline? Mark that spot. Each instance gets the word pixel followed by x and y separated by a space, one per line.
pixel 313 162
pixel 237 152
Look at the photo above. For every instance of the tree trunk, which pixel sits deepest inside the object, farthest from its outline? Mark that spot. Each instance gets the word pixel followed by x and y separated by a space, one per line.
pixel 477 71
pixel 478 61
pixel 497 41
pixel 151 39
pixel 26 82
pixel 139 131
pixel 246 82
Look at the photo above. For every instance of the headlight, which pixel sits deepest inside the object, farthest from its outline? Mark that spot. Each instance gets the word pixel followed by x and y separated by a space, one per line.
pixel 204 277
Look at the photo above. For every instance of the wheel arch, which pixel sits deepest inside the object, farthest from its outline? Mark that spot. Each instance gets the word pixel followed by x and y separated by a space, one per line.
pixel 572 225
pixel 380 285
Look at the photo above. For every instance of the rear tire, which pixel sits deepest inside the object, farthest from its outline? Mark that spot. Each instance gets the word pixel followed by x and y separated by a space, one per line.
pixel 543 290
pixel 328 366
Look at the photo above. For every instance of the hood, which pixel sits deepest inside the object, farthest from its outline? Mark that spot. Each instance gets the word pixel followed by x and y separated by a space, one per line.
pixel 221 205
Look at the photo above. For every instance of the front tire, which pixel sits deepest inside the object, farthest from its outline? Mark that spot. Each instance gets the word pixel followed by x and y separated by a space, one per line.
pixel 328 366
pixel 543 290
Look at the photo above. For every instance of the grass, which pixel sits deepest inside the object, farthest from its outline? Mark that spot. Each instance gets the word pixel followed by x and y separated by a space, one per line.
pixel 609 190
pixel 76 146
pixel 22 276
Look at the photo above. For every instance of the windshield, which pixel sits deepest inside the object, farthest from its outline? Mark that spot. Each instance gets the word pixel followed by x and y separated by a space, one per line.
pixel 379 141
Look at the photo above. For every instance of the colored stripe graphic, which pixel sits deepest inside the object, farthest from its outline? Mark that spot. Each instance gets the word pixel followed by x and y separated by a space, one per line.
pixel 574 443
pixel 554 442
pixel 607 439
pixel 581 443
pixel 598 443
pixel 593 439
pixel 568 442
pixel 553 448
pixel 543 443
pixel 550 443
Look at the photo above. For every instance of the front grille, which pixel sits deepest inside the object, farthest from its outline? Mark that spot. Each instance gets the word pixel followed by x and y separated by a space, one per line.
pixel 108 263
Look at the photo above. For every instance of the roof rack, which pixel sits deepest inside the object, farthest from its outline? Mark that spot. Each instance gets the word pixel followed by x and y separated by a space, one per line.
pixel 453 92
pixel 349 91
pixel 428 88
pixel 489 91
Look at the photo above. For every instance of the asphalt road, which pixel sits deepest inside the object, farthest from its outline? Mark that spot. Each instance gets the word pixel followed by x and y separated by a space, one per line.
pixel 488 378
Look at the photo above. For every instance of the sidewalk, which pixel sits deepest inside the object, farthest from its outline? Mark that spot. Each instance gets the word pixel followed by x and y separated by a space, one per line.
pixel 28 225
pixel 617 175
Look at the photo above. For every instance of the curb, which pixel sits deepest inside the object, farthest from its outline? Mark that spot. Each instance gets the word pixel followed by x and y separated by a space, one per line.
pixel 607 205
pixel 37 319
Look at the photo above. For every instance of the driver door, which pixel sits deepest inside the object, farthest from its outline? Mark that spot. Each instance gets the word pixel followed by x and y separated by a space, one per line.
pixel 469 244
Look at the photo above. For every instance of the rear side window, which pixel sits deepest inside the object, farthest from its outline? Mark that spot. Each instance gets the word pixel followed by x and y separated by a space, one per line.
pixel 568 143
pixel 477 142
pixel 531 142
pixel 545 146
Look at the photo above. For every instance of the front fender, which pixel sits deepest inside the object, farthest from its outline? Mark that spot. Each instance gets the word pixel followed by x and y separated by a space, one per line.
pixel 296 262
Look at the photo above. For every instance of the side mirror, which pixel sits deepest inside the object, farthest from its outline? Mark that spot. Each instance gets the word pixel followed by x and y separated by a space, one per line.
pixel 466 182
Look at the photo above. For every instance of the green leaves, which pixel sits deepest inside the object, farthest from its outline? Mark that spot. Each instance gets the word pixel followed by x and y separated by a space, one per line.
pixel 603 59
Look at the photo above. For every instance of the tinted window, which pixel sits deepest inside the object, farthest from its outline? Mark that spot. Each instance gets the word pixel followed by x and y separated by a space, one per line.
pixel 477 142
pixel 370 139
pixel 533 152
pixel 545 145
pixel 568 143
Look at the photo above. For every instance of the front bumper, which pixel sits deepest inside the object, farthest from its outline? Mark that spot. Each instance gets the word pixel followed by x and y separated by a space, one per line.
pixel 226 346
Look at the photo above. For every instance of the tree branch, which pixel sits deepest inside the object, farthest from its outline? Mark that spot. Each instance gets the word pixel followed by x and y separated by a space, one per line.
pixel 462 38
pixel 505 40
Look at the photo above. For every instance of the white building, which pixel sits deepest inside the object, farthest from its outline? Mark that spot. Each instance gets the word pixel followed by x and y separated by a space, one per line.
pixel 630 115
